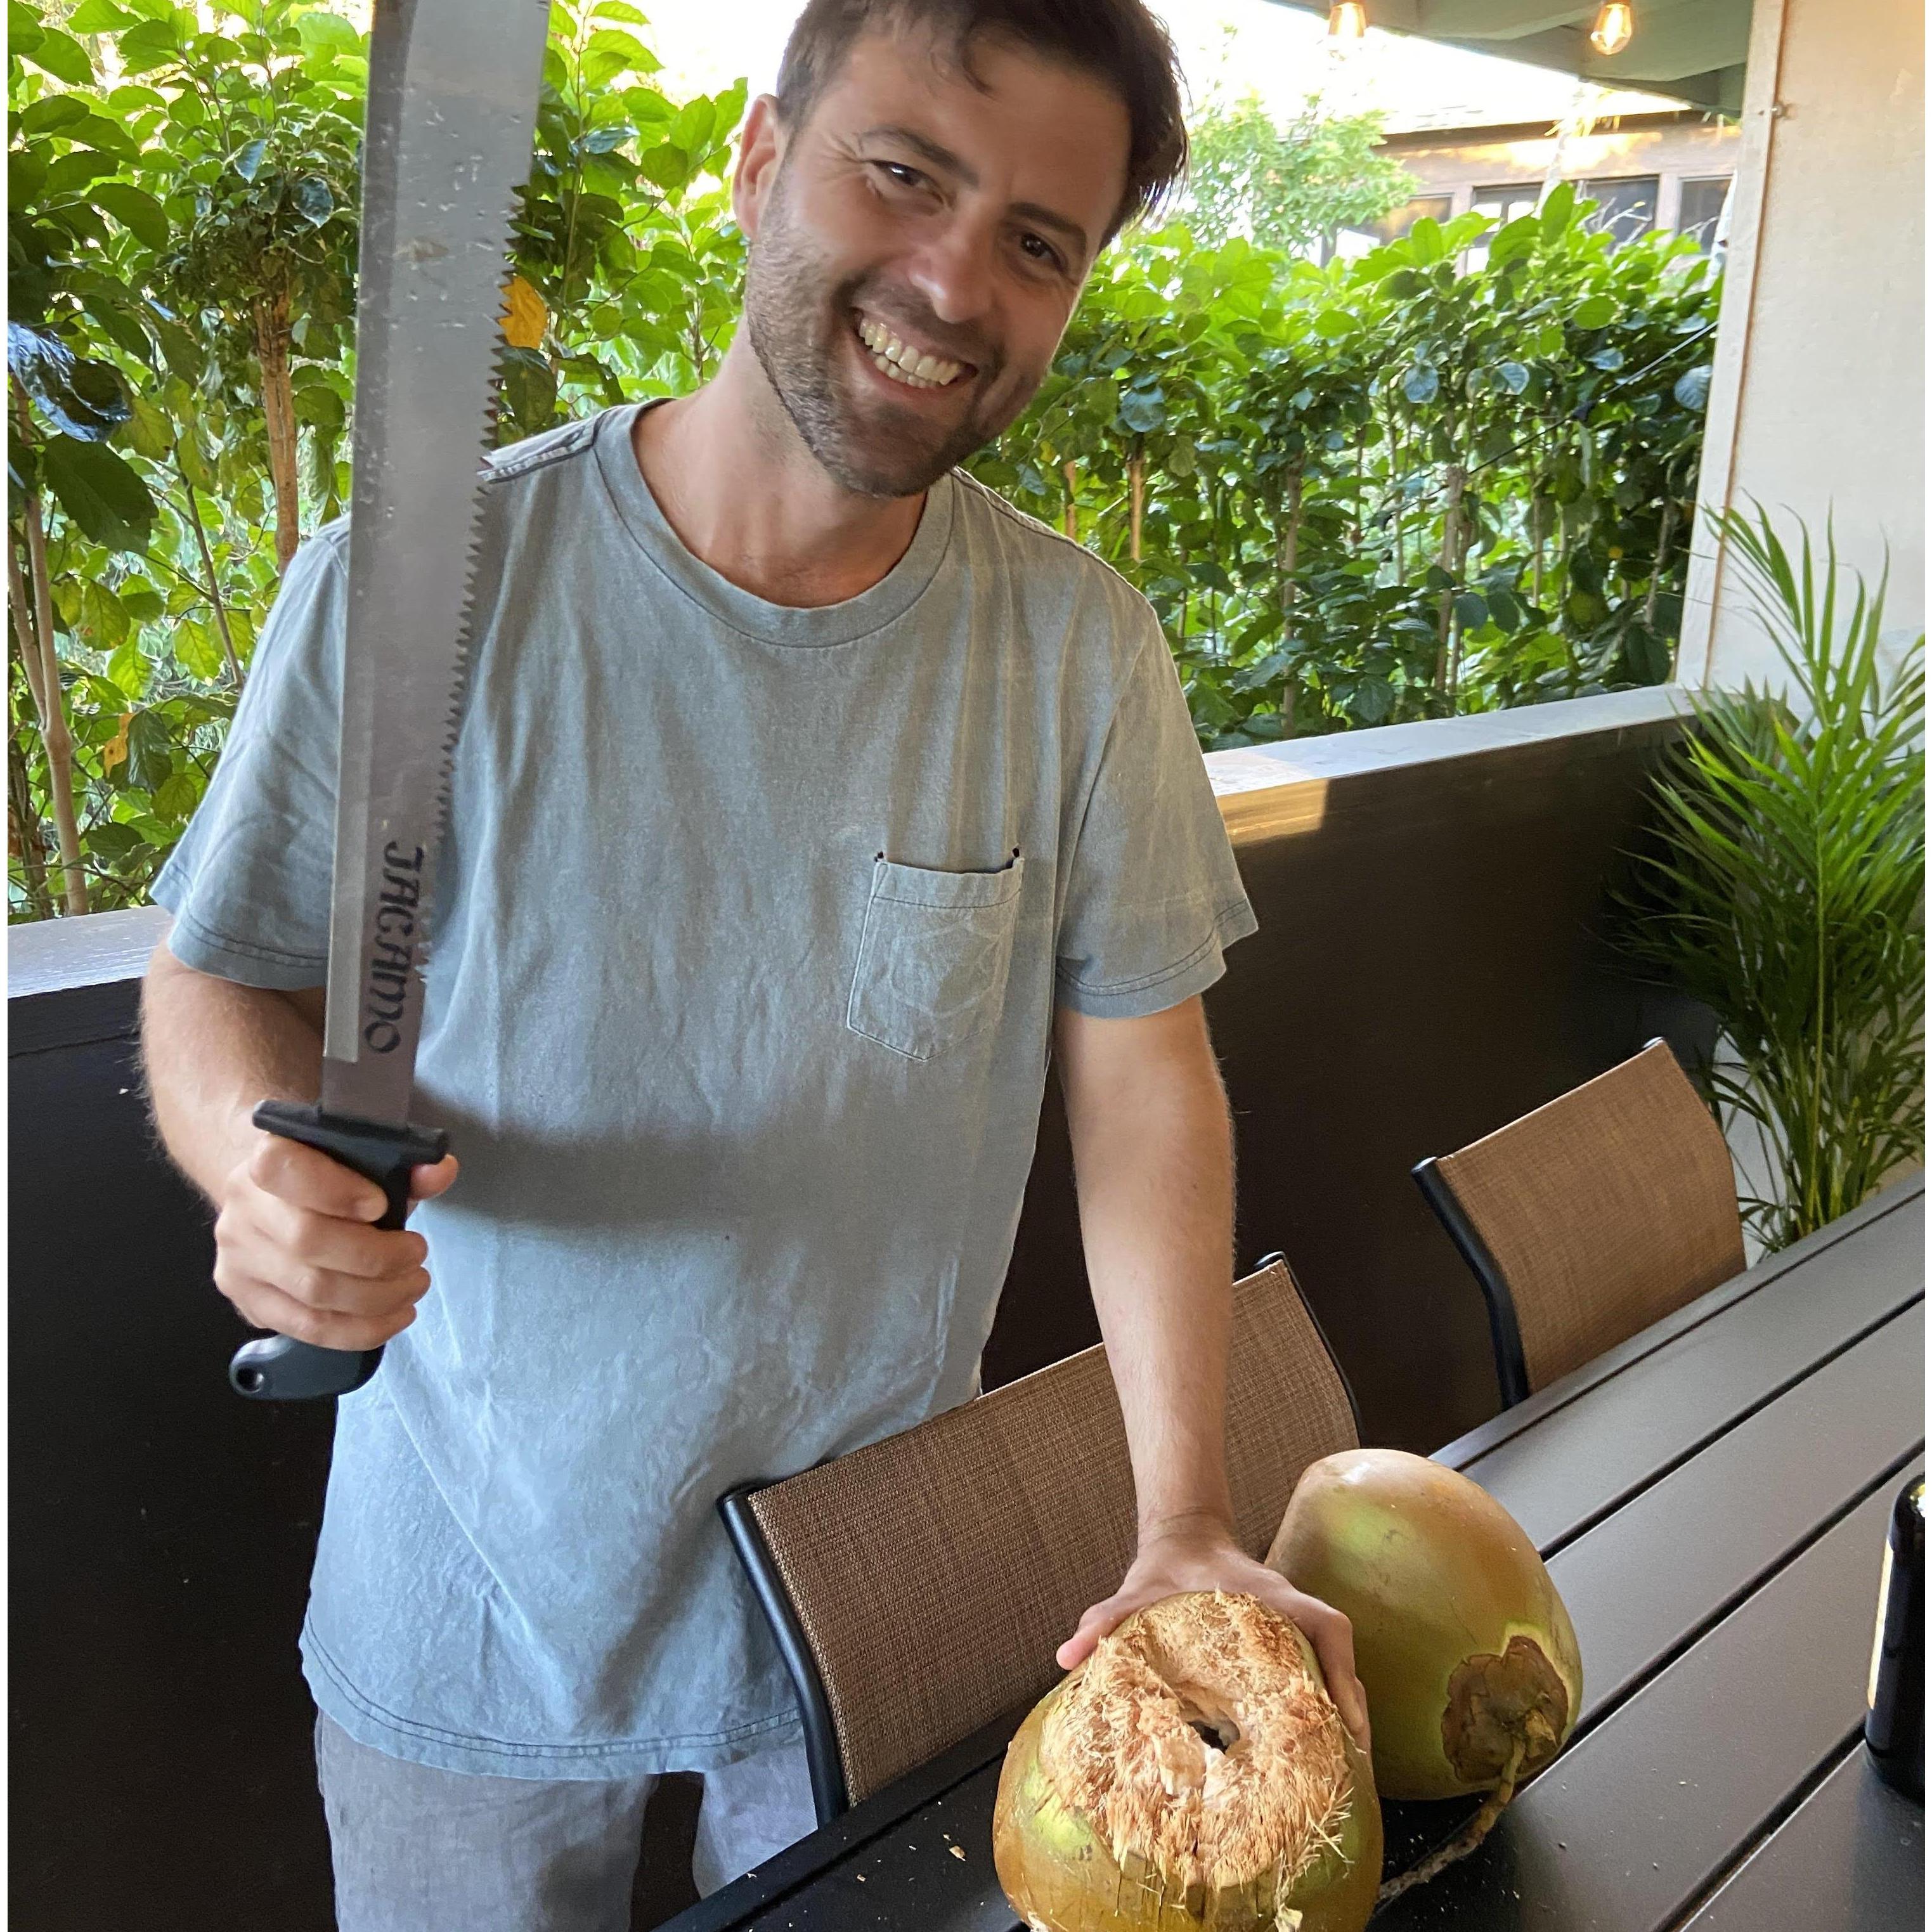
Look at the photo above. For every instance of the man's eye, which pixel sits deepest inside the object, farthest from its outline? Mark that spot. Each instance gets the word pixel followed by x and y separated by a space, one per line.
pixel 904 175
pixel 1042 252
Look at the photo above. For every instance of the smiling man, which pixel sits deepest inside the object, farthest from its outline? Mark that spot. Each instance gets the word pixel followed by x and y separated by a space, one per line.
pixel 808 799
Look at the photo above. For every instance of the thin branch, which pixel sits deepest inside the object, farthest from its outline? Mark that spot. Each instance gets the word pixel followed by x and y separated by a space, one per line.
pixel 214 589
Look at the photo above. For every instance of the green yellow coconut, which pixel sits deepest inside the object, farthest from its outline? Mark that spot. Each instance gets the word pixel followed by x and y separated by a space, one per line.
pixel 1462 1643
pixel 1191 1776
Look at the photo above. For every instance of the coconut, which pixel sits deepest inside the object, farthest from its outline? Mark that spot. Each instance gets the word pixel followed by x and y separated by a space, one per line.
pixel 1462 1643
pixel 1192 1773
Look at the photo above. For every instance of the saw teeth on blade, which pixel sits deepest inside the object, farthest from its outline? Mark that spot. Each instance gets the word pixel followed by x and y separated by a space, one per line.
pixel 459 681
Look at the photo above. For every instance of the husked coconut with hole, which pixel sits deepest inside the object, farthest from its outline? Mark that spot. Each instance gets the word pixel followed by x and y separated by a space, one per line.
pixel 1193 1773
pixel 1462 1643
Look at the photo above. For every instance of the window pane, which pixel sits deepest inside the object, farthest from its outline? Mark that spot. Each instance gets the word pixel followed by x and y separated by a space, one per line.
pixel 1505 204
pixel 1700 204
pixel 1626 206
pixel 1502 205
pixel 1360 238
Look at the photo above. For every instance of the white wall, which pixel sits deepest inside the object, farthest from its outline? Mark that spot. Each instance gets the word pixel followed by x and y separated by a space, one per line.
pixel 1817 402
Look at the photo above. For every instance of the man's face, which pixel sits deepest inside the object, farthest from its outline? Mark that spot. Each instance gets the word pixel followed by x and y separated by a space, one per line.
pixel 917 246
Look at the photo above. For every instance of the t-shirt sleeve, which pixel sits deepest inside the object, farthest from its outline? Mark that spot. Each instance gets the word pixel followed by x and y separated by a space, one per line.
pixel 1154 894
pixel 249 882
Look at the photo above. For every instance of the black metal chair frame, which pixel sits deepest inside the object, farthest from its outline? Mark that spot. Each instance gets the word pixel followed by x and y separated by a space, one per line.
pixel 1505 1337
pixel 831 1796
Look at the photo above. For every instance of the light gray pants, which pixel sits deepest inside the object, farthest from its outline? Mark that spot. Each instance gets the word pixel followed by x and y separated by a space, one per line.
pixel 417 1850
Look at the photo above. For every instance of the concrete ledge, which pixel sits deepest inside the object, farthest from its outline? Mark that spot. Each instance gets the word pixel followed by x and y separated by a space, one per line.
pixel 1352 753
pixel 52 954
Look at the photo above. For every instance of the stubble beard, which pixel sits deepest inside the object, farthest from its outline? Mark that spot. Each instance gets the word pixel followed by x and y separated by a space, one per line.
pixel 865 445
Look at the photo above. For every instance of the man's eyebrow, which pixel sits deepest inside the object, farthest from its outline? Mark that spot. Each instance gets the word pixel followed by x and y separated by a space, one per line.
pixel 944 159
pixel 924 146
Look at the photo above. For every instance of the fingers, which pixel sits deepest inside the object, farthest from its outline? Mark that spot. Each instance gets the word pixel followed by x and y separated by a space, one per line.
pixel 275 1286
pixel 304 1176
pixel 1328 1630
pixel 295 1251
pixel 266 1307
pixel 426 1183
pixel 1099 1620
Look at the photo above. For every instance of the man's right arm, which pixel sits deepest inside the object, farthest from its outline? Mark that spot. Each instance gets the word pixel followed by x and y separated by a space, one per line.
pixel 295 1251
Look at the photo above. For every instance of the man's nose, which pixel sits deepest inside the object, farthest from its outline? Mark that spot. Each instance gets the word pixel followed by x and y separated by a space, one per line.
pixel 953 269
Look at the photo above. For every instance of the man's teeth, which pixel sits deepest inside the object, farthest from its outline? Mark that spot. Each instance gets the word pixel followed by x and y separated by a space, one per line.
pixel 901 362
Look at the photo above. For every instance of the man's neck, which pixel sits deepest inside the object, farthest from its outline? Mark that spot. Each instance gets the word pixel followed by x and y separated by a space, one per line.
pixel 735 481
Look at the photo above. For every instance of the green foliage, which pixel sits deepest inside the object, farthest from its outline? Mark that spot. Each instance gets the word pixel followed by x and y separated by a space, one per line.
pixel 180 284
pixel 1787 892
pixel 1379 491
pixel 625 233
pixel 1287 187
pixel 1389 489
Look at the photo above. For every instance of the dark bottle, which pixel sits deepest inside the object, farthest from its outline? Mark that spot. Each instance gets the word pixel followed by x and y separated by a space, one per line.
pixel 1895 1695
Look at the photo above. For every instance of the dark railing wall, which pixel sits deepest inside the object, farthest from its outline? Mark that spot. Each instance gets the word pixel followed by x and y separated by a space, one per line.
pixel 1432 962
pixel 1429 965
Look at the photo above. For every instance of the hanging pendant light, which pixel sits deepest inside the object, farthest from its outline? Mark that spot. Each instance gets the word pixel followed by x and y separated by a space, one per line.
pixel 1616 23
pixel 1348 20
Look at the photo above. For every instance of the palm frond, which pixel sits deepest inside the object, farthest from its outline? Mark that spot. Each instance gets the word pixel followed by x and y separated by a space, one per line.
pixel 1787 887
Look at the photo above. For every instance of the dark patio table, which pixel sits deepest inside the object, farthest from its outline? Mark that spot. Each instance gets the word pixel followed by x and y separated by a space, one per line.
pixel 1711 1498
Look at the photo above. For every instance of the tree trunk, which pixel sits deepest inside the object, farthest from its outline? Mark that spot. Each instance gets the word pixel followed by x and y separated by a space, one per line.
pixel 1451 558
pixel 208 564
pixel 278 412
pixel 1666 529
pixel 1072 524
pixel 1136 495
pixel 1355 502
pixel 34 624
pixel 23 831
pixel 1395 498
pixel 1288 518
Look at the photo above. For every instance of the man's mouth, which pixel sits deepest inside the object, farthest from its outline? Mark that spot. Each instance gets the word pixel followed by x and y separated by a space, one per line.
pixel 902 361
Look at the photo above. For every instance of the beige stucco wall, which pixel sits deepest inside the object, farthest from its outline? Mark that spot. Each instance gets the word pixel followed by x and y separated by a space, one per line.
pixel 1817 404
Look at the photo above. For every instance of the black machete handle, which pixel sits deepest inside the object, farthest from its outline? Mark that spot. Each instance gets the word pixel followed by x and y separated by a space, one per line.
pixel 278 1368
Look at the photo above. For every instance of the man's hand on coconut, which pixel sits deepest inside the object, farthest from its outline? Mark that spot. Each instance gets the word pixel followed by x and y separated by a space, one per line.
pixel 1196 1554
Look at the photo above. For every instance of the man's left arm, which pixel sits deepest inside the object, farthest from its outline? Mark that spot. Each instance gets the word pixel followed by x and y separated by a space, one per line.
pixel 1153 1161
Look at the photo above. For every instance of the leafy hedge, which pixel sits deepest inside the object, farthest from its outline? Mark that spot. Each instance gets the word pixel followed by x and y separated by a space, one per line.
pixel 1394 488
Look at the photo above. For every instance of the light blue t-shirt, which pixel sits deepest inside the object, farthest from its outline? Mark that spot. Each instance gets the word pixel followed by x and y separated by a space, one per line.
pixel 750 928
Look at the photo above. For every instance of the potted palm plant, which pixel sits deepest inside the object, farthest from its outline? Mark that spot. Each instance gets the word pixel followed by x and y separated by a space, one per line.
pixel 1785 889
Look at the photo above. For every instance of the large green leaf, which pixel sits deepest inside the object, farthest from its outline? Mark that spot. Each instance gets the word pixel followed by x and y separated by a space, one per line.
pixel 52 114
pixel 59 54
pixel 136 211
pixel 80 397
pixel 151 758
pixel 100 490
pixel 76 169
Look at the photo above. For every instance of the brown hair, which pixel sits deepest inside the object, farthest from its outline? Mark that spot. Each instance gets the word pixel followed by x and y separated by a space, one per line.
pixel 1118 41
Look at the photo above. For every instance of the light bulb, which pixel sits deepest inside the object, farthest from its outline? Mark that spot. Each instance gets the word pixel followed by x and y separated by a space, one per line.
pixel 1348 20
pixel 1614 25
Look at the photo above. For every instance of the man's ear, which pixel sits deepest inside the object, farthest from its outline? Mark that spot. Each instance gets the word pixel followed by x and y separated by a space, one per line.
pixel 760 151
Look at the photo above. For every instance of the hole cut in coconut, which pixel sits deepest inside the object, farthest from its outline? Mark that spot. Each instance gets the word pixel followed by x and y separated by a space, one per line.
pixel 1220 1734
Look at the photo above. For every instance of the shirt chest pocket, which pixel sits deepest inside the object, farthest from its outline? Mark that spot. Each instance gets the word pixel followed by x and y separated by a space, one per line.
pixel 934 956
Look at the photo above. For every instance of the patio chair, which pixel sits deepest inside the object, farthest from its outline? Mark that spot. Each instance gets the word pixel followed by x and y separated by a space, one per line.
pixel 1591 1217
pixel 919 1588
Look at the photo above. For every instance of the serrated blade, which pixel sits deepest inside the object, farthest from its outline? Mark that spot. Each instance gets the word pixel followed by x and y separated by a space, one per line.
pixel 451 116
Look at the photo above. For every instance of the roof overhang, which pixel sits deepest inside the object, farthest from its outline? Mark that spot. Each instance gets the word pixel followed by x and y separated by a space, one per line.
pixel 1692 50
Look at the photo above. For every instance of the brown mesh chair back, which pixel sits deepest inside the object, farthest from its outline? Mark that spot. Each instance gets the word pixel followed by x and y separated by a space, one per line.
pixel 1591 1217
pixel 919 1588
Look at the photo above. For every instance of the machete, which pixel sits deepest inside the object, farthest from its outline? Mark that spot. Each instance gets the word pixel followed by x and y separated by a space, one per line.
pixel 451 115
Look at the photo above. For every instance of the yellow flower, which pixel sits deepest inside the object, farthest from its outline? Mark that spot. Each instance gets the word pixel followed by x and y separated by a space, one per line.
pixel 525 318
